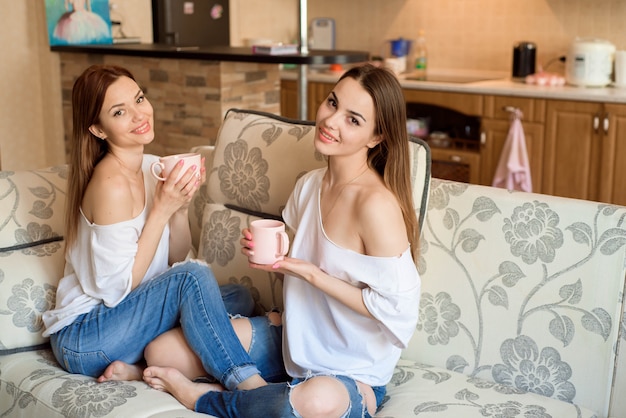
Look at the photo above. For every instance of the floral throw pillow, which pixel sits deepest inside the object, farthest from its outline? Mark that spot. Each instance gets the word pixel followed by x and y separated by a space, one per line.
pixel 32 215
pixel 258 158
pixel 219 246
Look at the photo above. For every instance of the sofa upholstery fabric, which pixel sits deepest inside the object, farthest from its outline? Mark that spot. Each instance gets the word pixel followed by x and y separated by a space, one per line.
pixel 521 313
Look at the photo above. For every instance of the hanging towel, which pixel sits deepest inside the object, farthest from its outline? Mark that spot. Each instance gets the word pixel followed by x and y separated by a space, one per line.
pixel 513 170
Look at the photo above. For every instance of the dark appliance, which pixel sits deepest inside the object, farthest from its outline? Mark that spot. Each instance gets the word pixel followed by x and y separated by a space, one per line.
pixel 194 23
pixel 524 56
pixel 454 139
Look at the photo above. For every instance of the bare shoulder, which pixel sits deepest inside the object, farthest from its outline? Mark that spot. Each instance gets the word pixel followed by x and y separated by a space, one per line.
pixel 381 223
pixel 108 198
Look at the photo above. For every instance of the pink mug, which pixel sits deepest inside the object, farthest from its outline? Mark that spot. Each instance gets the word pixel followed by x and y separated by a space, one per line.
pixel 271 242
pixel 167 164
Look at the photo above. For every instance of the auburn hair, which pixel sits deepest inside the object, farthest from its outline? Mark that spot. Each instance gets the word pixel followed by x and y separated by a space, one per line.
pixel 390 158
pixel 86 149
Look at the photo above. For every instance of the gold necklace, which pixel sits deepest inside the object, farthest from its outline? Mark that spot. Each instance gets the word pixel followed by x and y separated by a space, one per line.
pixel 341 191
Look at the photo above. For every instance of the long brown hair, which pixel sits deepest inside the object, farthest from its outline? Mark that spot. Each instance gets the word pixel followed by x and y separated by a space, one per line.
pixel 86 149
pixel 390 158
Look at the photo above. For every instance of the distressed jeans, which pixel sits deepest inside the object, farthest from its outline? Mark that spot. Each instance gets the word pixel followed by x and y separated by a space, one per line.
pixel 185 295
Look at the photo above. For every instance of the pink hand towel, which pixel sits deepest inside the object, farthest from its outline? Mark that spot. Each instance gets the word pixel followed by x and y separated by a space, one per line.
pixel 513 170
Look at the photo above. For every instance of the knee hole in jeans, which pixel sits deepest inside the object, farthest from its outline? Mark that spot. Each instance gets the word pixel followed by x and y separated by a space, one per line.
pixel 274 318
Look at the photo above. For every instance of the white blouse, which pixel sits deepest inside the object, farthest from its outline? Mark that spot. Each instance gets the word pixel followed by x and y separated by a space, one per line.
pixel 98 267
pixel 322 335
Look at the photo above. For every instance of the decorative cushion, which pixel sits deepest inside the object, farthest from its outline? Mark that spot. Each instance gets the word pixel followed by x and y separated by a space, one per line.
pixel 219 246
pixel 196 210
pixel 523 290
pixel 32 215
pixel 258 158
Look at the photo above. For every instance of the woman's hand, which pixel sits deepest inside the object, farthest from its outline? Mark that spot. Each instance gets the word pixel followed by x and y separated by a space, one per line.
pixel 172 195
pixel 292 266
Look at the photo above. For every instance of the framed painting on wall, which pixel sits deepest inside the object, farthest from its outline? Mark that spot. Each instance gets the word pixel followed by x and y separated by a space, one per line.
pixel 78 22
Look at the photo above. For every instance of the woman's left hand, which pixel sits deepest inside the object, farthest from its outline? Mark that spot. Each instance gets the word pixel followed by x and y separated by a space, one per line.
pixel 292 266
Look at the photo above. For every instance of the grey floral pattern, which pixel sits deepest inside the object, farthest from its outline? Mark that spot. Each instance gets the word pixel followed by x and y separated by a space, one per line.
pixel 533 232
pixel 539 372
pixel 439 318
pixel 35 233
pixel 541 304
pixel 512 409
pixel 441 191
pixel 243 175
pixel 28 302
pixel 87 398
pixel 220 234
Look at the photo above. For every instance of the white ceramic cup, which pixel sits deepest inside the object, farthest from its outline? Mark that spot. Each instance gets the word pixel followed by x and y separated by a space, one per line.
pixel 166 165
pixel 620 68
pixel 271 242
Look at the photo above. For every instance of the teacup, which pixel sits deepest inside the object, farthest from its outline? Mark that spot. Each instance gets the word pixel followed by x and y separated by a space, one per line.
pixel 271 242
pixel 166 165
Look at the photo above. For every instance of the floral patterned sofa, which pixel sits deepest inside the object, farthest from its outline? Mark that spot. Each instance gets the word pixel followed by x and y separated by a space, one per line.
pixel 521 313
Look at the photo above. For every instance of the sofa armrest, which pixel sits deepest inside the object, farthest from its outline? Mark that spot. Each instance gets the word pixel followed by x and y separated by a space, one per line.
pixel 523 290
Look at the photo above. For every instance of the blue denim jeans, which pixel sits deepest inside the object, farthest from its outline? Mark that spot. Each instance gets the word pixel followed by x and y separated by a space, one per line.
pixel 273 400
pixel 185 295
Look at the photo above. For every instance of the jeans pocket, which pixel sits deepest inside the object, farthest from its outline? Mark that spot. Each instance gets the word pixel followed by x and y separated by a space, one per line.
pixel 92 363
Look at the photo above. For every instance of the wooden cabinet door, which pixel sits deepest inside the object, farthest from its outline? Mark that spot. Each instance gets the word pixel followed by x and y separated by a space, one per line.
pixel 289 99
pixel 496 132
pixel 318 92
pixel 289 102
pixel 572 150
pixel 612 180
pixel 457 165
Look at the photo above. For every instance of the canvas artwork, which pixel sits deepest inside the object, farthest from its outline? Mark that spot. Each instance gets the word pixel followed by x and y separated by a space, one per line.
pixel 78 22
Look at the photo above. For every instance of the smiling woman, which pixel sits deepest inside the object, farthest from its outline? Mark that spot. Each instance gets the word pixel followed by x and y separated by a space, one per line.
pixel 125 230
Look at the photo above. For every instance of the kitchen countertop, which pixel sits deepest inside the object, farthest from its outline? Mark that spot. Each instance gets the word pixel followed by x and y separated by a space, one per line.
pixel 217 53
pixel 496 83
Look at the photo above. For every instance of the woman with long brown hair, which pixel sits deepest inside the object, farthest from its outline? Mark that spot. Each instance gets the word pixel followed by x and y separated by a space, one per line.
pixel 351 286
pixel 126 282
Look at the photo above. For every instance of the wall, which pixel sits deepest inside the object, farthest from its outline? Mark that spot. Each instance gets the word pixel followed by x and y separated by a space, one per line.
pixel 31 127
pixel 461 34
pixel 476 34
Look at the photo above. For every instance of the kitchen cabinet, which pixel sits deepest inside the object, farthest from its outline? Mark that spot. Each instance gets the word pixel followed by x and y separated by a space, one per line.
pixel 461 161
pixel 316 93
pixel 584 156
pixel 496 123
pixel 289 99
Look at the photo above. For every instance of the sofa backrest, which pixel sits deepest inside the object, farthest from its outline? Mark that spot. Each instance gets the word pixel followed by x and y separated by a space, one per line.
pixel 32 215
pixel 523 290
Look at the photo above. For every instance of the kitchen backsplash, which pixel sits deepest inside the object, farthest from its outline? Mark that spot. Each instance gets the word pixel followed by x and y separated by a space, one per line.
pixel 461 34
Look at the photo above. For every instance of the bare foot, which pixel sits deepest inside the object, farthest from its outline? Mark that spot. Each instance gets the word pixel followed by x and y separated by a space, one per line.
pixel 118 370
pixel 169 379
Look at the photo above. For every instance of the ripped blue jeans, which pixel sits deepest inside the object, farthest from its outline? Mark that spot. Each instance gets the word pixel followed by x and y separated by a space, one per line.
pixel 187 295
pixel 274 400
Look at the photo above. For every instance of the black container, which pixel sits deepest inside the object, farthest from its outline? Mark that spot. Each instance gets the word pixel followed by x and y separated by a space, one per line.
pixel 524 56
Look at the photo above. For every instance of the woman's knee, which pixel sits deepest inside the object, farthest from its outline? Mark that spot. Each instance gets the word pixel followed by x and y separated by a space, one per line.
pixel 320 396
pixel 170 349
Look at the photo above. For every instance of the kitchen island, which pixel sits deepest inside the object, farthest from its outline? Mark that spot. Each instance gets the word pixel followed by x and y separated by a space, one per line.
pixel 191 88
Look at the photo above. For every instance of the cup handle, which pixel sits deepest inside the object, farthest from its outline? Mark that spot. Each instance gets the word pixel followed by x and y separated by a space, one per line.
pixel 283 243
pixel 153 165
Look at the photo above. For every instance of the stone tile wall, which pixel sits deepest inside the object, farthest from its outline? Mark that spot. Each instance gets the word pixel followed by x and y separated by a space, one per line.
pixel 190 97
